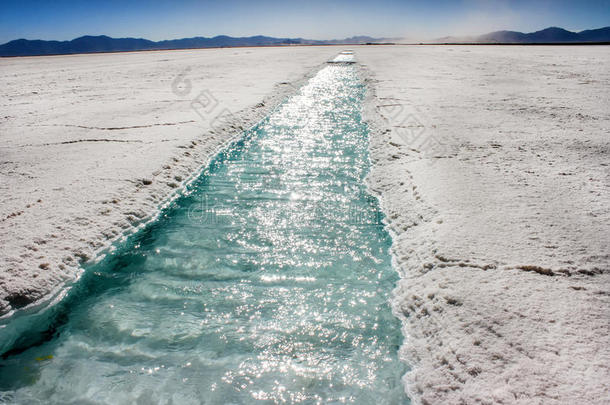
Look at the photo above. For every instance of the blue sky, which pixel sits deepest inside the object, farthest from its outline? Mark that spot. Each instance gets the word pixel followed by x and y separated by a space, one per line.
pixel 417 19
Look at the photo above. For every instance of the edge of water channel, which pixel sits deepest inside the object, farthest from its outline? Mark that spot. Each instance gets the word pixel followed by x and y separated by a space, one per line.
pixel 42 307
pixel 378 138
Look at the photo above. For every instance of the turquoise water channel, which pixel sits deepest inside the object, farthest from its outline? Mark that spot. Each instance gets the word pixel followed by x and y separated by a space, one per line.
pixel 267 282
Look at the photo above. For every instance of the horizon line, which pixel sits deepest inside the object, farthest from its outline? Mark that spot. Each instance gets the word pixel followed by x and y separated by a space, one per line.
pixel 301 37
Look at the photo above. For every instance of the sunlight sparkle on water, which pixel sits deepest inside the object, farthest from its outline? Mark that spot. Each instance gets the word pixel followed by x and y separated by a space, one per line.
pixel 269 280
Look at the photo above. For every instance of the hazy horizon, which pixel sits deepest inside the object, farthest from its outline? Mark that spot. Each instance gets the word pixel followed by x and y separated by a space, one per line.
pixel 159 20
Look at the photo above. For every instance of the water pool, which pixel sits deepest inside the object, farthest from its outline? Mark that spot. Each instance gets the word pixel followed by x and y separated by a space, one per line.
pixel 268 281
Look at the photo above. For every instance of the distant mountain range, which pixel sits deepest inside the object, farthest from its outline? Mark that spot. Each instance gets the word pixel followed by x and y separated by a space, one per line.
pixel 549 35
pixel 102 43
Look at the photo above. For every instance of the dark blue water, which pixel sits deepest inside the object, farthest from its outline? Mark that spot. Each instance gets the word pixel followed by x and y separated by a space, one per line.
pixel 268 282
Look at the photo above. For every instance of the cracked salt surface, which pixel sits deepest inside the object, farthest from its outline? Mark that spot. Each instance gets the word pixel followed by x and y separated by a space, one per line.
pixel 71 188
pixel 501 238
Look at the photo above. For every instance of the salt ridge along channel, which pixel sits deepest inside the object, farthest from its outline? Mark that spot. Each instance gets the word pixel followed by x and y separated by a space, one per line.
pixel 269 279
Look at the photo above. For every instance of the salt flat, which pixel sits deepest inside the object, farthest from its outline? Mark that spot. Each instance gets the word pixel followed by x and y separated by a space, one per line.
pixel 91 145
pixel 491 162
pixel 493 167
